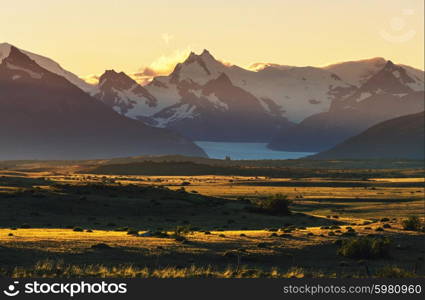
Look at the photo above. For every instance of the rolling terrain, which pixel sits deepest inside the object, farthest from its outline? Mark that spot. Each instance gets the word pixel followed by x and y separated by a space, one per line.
pixel 63 221
pixel 397 138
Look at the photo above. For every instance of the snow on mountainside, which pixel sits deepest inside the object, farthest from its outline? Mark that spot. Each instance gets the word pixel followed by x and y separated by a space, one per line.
pixel 298 91
pixel 125 95
pixel 219 110
pixel 205 108
pixel 391 81
pixel 45 116
pixel 261 66
pixel 360 71
pixel 276 95
pixel 391 92
pixel 49 65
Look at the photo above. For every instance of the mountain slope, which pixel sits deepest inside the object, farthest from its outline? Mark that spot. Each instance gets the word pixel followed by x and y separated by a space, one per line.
pixel 359 71
pixel 44 116
pixel 125 95
pixel 390 93
pixel 221 111
pixel 49 65
pixel 246 106
pixel 402 137
pixel 197 100
pixel 298 91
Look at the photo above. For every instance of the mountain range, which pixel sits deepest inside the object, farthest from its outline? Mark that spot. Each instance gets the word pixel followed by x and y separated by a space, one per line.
pixel 391 92
pixel 206 99
pixel 303 109
pixel 46 114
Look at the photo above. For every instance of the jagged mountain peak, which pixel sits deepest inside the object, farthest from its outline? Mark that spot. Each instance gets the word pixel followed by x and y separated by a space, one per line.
pixel 205 54
pixel 197 67
pixel 115 77
pixel 391 79
pixel 123 93
pixel 49 65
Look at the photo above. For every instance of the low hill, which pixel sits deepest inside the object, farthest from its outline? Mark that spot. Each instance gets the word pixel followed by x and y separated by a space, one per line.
pixel 402 137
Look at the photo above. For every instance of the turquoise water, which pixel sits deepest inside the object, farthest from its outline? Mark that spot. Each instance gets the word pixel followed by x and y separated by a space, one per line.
pixel 246 151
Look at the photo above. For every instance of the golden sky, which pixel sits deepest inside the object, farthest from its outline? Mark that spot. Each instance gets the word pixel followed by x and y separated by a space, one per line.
pixel 87 37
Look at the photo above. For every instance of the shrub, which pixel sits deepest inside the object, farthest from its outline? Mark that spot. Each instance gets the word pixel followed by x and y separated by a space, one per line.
pixel 349 233
pixel 180 238
pixel 122 229
pixel 365 248
pixel 412 223
pixel 286 235
pixel 394 272
pixel 182 231
pixel 262 245
pixel 273 205
pixel 132 231
pixel 78 229
pixel 101 246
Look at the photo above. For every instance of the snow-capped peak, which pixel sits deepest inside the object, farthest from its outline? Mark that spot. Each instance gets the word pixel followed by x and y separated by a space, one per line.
pixel 49 65
pixel 357 72
pixel 4 51
pixel 262 66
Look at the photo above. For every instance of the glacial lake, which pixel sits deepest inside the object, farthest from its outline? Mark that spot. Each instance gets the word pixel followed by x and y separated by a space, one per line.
pixel 246 151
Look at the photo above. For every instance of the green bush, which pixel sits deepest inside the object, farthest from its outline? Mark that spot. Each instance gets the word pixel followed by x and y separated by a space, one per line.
pixel 273 205
pixel 412 223
pixel 365 248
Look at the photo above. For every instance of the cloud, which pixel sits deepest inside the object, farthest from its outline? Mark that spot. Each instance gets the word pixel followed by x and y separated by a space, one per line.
pixel 163 65
pixel 91 79
pixel 167 38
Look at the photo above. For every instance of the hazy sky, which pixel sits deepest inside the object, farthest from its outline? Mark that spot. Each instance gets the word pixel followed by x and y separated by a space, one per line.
pixel 89 36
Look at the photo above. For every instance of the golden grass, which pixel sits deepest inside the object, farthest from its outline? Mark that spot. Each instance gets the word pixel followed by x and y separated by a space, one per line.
pixel 54 269
pixel 353 205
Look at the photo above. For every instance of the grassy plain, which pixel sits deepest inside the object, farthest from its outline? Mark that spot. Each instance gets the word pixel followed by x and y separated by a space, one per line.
pixel 69 219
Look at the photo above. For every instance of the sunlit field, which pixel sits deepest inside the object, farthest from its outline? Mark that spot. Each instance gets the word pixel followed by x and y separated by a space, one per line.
pixel 62 221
